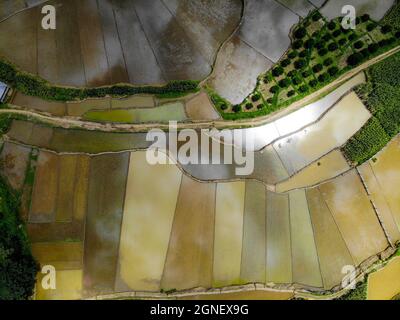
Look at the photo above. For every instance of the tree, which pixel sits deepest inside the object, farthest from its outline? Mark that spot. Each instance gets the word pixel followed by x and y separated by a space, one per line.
pixel 354 59
pixel 332 25
pixel 304 88
pixel 332 46
pixel 303 54
pixel 352 37
pixel 337 33
pixel 342 41
pixel 328 62
pixel 309 43
pixel 291 93
pixel 373 47
pixel 386 29
pixel 313 83
pixel 274 89
pixel 371 26
pixel 333 71
pixel 292 54
pixel 323 52
pixel 284 83
pixel 306 73
pixel 248 106
pixel 300 64
pixel 255 97
pixel 296 80
pixel 285 62
pixel 298 44
pixel 398 34
pixel 277 71
pixel 300 33
pixel 323 77
pixel 365 17
pixel 237 108
pixel 317 68
pixel 358 44
pixel 316 16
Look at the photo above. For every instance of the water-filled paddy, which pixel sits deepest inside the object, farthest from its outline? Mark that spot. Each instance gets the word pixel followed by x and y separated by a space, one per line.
pixel 228 233
pixel 146 225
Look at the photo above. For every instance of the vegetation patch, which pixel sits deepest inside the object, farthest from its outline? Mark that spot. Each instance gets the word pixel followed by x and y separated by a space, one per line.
pixel 321 51
pixel 381 95
pixel 17 266
pixel 35 86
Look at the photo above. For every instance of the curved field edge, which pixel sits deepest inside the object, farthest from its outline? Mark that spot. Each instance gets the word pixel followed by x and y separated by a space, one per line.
pixel 381 95
pixel 268 98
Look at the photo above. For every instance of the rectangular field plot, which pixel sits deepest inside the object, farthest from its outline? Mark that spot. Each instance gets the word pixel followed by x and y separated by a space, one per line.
pixel 384 284
pixel 355 216
pixel 377 195
pixel 305 262
pixel 254 234
pixel 190 253
pixel 279 260
pixel 387 174
pixel 228 233
pixel 150 201
pixel 44 197
pixel 15 161
pixel 332 250
pixel 329 166
pixel 62 255
pixel 107 181
pixel 29 102
pixel 68 286
pixel 333 130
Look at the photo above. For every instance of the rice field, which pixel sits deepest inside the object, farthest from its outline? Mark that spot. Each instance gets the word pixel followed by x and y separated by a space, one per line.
pixel 384 284
pixel 105 42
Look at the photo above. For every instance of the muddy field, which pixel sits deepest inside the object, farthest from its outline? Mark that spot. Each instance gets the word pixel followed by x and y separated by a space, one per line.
pixel 104 42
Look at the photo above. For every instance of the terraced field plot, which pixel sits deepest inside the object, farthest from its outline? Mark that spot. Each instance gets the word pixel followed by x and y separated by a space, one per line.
pixel 104 42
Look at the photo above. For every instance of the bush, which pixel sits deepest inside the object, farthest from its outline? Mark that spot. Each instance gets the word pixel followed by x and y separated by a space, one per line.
pixel 371 26
pixel 333 71
pixel 293 73
pixel 332 46
pixel 18 268
pixel 398 34
pixel 323 52
pixel 304 88
pixel 255 97
pixel 313 83
pixel 285 62
pixel 358 44
pixel 372 48
pixel 303 54
pixel 300 33
pixel 316 16
pixel 276 72
pixel 332 25
pixel 326 37
pixel 284 83
pixel 248 106
pixel 296 80
pixel 300 64
pixel 337 33
pixel 306 73
pixel 328 62
pixel 352 37
pixel 386 29
pixel 237 108
pixel 270 100
pixel 342 42
pixel 274 89
pixel 291 93
pixel 365 53
pixel 292 54
pixel 261 106
pixel 223 106
pixel 365 17
pixel 298 44
pixel 309 43
pixel 320 44
pixel 354 59
pixel 318 68
pixel 323 77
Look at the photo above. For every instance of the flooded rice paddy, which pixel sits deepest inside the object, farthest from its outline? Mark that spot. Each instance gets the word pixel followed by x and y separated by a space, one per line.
pixel 104 42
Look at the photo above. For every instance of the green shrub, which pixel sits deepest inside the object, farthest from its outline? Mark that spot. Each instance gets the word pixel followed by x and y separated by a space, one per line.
pixel 316 16
pixel 352 37
pixel 337 33
pixel 366 143
pixel 372 48
pixel 365 17
pixel 304 88
pixel 386 29
pixel 313 83
pixel 332 25
pixel 297 44
pixel 303 54
pixel 333 71
pixel 323 52
pixel 284 83
pixel 300 64
pixel 309 43
pixel 237 108
pixel 300 33
pixel 306 73
pixel 354 59
pixel 296 80
pixel 255 97
pixel 277 71
pixel 371 26
pixel 328 62
pixel 274 89
pixel 285 63
pixel 332 46
pixel 323 77
pixel 358 44
pixel 326 37
pixel 317 68
pixel 248 106
pixel 292 54
pixel 291 93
